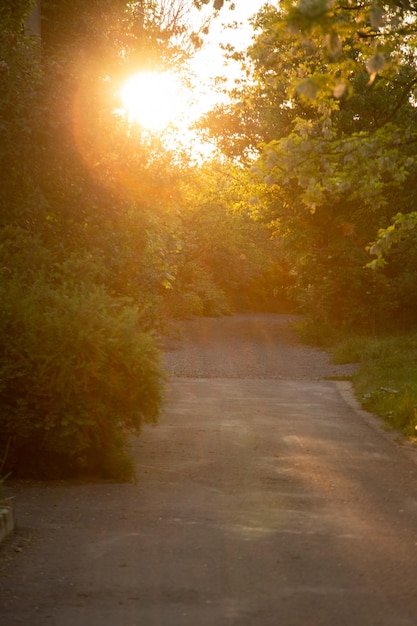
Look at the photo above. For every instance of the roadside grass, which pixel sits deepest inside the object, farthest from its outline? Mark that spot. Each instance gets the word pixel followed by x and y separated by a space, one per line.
pixel 385 382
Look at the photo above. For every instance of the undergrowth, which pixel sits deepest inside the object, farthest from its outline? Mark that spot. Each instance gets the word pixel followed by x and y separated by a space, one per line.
pixel 385 382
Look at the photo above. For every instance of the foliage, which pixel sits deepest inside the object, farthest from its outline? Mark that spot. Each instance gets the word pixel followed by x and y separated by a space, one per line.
pixel 77 371
pixel 401 227
pixel 13 14
pixel 104 232
pixel 326 123
pixel 84 255
pixel 20 110
pixel 333 139
pixel 141 35
pixel 223 260
pixel 385 382
pixel 217 4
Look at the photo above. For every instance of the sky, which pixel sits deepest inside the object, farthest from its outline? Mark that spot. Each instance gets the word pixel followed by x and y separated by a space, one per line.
pixel 209 62
pixel 244 9
pixel 167 104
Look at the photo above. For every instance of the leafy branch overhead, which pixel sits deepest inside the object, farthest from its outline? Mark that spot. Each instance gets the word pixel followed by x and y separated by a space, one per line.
pixel 376 36
pixel 216 4
pixel 349 75
pixel 388 237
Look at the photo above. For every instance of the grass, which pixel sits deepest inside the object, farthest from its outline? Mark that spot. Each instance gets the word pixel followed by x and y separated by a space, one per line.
pixel 385 382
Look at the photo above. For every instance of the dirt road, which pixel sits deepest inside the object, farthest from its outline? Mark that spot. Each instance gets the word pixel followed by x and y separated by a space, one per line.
pixel 263 499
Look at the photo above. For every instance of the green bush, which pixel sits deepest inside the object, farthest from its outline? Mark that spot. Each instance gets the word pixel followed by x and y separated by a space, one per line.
pixel 76 375
pixel 385 381
pixel 195 292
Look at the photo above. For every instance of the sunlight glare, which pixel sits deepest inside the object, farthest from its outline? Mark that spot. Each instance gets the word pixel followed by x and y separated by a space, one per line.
pixel 153 100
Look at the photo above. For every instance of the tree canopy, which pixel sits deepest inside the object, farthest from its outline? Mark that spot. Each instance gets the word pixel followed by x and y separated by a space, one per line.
pixel 325 119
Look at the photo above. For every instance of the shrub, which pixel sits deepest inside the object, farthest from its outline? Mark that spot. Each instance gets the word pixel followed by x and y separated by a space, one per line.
pixel 76 375
pixel 195 292
pixel 385 381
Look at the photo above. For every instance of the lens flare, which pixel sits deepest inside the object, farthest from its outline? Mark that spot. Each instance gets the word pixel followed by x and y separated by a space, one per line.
pixel 153 100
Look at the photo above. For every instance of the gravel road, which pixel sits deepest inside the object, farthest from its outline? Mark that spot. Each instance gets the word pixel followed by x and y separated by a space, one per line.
pixel 262 345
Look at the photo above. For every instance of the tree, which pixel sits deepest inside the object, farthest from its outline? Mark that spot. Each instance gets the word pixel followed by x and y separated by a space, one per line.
pixel 329 112
pixel 83 241
pixel 224 261
pixel 33 19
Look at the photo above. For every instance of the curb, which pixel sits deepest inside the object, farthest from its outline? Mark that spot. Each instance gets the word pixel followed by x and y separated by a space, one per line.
pixel 7 521
pixel 376 422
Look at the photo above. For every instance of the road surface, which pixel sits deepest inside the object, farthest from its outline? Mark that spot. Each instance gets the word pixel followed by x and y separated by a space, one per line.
pixel 263 499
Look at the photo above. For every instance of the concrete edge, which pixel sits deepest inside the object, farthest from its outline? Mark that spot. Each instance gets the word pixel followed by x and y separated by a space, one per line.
pixel 7 521
pixel 345 389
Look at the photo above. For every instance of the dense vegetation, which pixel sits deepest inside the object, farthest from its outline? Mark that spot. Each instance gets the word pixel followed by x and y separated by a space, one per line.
pixel 106 234
pixel 386 380
pixel 327 117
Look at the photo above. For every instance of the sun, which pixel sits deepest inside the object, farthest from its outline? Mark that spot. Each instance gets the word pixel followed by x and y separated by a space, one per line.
pixel 155 100
pixel 161 105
